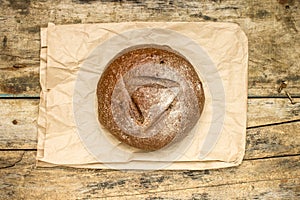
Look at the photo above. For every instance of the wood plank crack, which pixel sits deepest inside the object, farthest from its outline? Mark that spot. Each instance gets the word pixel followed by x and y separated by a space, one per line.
pixel 272 157
pixel 274 124
pixel 16 162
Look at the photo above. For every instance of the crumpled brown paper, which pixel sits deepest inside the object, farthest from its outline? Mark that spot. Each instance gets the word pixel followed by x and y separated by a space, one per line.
pixel 72 60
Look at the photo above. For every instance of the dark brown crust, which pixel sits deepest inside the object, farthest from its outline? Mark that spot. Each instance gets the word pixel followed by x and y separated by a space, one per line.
pixel 127 60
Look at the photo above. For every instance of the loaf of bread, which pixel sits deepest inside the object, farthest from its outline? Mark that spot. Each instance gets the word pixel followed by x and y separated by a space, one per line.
pixel 149 96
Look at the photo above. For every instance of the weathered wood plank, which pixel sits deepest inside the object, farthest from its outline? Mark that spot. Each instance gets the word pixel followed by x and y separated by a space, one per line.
pixel 18 123
pixel 12 158
pixel 271 141
pixel 272 28
pixel 257 178
pixel 18 129
pixel 268 111
pixel 276 189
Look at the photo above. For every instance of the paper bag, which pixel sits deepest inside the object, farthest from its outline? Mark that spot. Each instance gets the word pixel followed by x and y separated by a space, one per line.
pixel 73 58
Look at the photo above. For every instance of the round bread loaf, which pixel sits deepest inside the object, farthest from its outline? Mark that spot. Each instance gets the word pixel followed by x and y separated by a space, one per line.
pixel 149 96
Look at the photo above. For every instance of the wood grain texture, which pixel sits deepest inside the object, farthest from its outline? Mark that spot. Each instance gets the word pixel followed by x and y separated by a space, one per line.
pixel 18 123
pixel 254 178
pixel 271 110
pixel 272 27
pixel 275 189
pixel 272 141
pixel 18 126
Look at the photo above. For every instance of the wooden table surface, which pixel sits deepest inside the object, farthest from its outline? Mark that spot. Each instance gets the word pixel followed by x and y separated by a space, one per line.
pixel 271 167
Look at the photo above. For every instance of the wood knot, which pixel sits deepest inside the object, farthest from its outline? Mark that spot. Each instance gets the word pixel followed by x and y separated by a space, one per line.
pixel 4 42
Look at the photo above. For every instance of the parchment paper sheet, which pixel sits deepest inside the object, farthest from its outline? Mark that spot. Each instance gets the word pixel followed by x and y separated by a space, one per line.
pixel 72 59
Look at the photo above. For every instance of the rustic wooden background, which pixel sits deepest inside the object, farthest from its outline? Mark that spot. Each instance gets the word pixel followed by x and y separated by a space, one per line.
pixel 271 168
